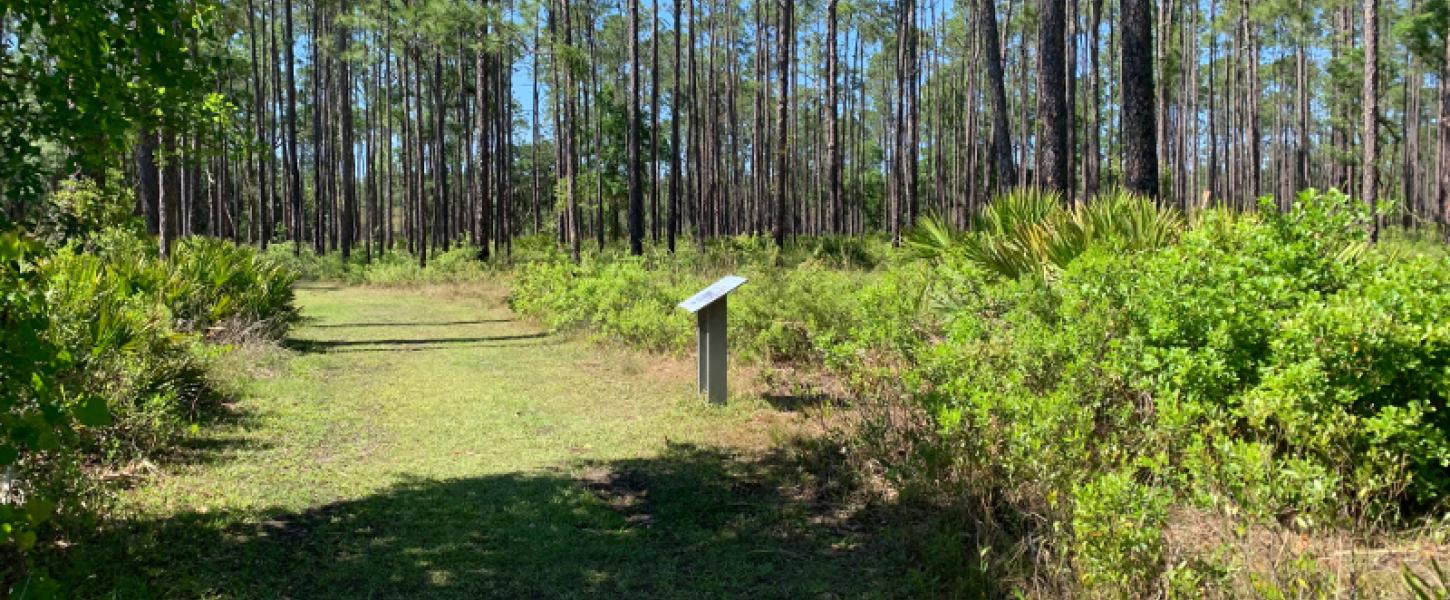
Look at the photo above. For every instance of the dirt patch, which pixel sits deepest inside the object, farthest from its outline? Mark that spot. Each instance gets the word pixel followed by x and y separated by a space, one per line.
pixel 1355 564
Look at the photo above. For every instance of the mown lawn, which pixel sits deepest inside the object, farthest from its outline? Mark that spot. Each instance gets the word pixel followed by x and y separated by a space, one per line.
pixel 428 443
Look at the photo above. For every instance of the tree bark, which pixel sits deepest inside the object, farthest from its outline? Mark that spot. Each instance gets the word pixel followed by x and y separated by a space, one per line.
pixel 833 135
pixel 1051 91
pixel 636 194
pixel 147 187
pixel 1443 152
pixel 997 89
pixel 1140 155
pixel 782 119
pixel 1369 143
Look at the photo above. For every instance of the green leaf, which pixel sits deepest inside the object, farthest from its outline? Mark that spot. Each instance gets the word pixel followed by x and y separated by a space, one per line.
pixel 39 509
pixel 92 412
pixel 8 454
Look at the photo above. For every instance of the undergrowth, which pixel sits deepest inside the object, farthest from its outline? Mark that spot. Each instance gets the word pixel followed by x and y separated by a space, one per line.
pixel 105 354
pixel 1068 382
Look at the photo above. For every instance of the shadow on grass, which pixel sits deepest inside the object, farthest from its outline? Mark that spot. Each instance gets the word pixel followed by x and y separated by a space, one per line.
pixel 694 522
pixel 314 346
pixel 801 402
pixel 412 324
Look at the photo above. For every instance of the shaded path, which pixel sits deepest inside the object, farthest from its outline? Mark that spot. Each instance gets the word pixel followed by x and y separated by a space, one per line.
pixel 427 443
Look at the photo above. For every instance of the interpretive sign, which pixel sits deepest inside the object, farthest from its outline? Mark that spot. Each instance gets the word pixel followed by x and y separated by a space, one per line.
pixel 709 307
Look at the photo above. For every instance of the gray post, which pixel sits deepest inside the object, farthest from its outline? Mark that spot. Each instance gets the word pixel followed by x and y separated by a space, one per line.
pixel 702 335
pixel 715 335
pixel 711 324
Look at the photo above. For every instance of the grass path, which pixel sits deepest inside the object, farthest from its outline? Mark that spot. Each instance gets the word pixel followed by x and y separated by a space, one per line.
pixel 429 443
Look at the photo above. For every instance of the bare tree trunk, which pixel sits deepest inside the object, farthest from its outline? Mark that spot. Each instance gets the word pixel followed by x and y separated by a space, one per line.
pixel 1411 149
pixel 997 89
pixel 349 161
pixel 534 138
pixel 1369 163
pixel 570 167
pixel 1092 163
pixel 1443 152
pixel 672 226
pixel 1301 85
pixel 636 194
pixel 294 172
pixel 1140 158
pixel 480 125
pixel 258 114
pixel 782 119
pixel 1052 153
pixel 167 200
pixel 148 189
pixel 654 109
pixel 833 136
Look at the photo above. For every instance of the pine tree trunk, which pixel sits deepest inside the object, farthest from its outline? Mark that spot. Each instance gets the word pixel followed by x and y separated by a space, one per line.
pixel 259 129
pixel 294 172
pixel 672 225
pixel 148 189
pixel 1369 142
pixel 636 193
pixel 833 136
pixel 782 116
pixel 1443 152
pixel 349 160
pixel 997 90
pixel 484 77
pixel 1051 103
pixel 654 108
pixel 1093 161
pixel 1140 158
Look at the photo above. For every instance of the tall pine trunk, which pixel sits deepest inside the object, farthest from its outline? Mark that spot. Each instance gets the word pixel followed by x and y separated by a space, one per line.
pixel 636 194
pixel 782 120
pixel 997 90
pixel 1140 152
pixel 1369 142
pixel 1051 92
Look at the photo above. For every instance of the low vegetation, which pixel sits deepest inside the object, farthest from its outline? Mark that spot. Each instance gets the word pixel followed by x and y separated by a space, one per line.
pixel 1073 384
pixel 1104 401
pixel 105 348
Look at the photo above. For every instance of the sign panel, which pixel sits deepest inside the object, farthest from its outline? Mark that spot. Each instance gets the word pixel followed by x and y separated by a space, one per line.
pixel 710 294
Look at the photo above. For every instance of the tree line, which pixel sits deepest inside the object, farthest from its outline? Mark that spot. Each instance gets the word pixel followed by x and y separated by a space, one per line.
pixel 367 125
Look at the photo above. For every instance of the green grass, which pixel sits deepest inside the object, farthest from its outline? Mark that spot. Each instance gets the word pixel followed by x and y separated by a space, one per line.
pixel 427 442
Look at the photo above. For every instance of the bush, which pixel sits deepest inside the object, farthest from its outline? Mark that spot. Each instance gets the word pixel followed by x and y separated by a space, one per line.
pixel 103 359
pixel 1272 366
pixel 215 285
pixel 36 415
pixel 391 268
pixel 1099 368
pixel 791 315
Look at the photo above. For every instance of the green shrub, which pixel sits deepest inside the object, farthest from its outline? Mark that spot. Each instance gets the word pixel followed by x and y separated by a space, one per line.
pixel 1033 232
pixel 211 283
pixel 36 415
pixel 618 299
pixel 1118 527
pixel 391 268
pixel 102 361
pixel 1110 363
pixel 80 210
pixel 1272 366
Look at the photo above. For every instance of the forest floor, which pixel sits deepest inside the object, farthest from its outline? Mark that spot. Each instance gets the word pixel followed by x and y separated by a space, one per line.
pixel 427 442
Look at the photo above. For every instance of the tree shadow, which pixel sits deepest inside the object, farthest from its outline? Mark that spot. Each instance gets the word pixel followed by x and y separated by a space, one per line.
pixel 802 402
pixel 693 522
pixel 316 346
pixel 411 324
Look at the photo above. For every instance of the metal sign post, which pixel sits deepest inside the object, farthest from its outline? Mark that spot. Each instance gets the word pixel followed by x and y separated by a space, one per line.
pixel 709 307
